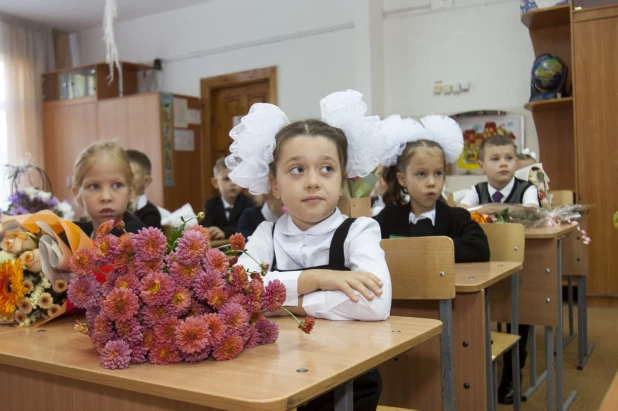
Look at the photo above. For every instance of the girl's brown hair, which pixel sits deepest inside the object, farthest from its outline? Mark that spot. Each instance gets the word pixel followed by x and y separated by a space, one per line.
pixel 89 155
pixel 395 194
pixel 314 128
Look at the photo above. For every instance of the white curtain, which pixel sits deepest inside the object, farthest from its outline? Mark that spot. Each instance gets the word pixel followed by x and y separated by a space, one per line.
pixel 26 51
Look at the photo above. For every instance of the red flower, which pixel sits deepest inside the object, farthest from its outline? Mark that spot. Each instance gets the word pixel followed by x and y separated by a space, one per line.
pixel 237 241
pixel 307 325
pixel 228 349
pixel 216 297
pixel 238 278
pixel 104 229
pixel 82 261
pixel 119 225
pixel 274 296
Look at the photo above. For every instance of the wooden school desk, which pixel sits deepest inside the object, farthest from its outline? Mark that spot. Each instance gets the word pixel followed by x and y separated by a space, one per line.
pixel 475 281
pixel 610 401
pixel 469 344
pixel 56 368
pixel 575 264
pixel 540 290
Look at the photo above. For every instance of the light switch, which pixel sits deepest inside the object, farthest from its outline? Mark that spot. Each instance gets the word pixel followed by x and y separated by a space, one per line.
pixel 465 86
pixel 437 88
pixel 456 88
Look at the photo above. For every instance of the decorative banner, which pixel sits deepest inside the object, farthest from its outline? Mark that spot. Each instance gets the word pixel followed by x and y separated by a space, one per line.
pixel 167 135
pixel 477 126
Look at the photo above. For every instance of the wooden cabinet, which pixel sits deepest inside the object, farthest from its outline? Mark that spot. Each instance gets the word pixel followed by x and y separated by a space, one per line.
pixel 136 122
pixel 578 136
pixel 595 50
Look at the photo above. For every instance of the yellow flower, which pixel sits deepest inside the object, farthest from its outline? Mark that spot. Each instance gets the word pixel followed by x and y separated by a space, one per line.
pixel 12 287
pixel 479 218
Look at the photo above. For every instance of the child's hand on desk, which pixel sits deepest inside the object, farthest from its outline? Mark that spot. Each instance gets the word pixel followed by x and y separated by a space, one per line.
pixel 347 281
pixel 216 233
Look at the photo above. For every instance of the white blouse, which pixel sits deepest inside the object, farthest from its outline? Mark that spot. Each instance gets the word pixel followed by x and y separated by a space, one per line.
pixel 297 249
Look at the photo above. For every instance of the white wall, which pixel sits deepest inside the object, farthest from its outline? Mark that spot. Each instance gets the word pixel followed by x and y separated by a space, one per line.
pixel 486 45
pixel 311 43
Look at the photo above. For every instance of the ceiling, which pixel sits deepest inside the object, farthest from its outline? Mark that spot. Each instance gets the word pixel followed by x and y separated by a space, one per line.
pixel 76 15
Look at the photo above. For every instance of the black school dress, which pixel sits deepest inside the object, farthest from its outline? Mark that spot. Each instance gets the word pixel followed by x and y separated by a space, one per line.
pixel 367 387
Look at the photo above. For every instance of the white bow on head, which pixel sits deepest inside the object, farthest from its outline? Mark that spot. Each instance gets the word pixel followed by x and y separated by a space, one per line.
pixel 395 132
pixel 528 152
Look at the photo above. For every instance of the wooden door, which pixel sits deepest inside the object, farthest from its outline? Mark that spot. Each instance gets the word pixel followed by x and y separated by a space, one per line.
pixel 68 128
pixel 223 98
pixel 231 103
pixel 595 36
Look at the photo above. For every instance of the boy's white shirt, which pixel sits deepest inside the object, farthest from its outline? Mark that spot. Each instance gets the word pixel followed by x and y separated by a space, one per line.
pixel 141 201
pixel 531 195
pixel 297 250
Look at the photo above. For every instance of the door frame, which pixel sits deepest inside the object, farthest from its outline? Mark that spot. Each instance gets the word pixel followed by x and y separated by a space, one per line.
pixel 208 88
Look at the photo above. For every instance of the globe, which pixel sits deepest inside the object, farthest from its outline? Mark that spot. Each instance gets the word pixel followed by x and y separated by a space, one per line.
pixel 547 72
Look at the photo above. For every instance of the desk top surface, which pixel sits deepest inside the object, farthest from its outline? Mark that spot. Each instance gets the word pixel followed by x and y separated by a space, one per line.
pixel 610 401
pixel 550 232
pixel 262 378
pixel 474 277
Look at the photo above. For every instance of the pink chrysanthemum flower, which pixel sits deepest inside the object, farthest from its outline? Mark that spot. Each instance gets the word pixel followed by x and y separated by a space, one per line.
pixel 216 327
pixel 217 261
pixel 247 302
pixel 166 330
pixel 163 353
pixel 84 291
pixel 257 277
pixel 253 339
pixel 106 248
pixel 237 242
pixel 148 338
pixel 104 229
pixel 25 306
pixel 274 296
pixel 181 301
pixel 228 349
pixel 103 329
pixel 150 244
pixel 255 290
pixel 191 248
pixel 233 315
pixel 184 274
pixel 192 335
pixel 233 260
pixel 307 324
pixel 239 278
pixel 116 355
pixel 129 330
pixel 138 354
pixel 255 317
pixel 110 280
pixel 125 243
pixel 204 282
pixel 203 231
pixel 119 225
pixel 128 281
pixel 197 308
pixel 269 331
pixel 120 304
pixel 83 261
pixel 144 268
pixel 198 356
pixel 217 297
pixel 157 289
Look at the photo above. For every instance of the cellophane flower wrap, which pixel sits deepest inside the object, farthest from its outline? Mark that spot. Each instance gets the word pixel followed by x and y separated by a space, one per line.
pixel 171 300
pixel 33 249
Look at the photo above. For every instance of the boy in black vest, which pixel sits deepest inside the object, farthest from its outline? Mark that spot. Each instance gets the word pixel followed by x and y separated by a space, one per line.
pixel 147 212
pixel 222 212
pixel 498 160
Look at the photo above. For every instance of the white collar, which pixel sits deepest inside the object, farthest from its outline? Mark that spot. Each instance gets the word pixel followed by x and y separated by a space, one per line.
pixel 269 215
pixel 431 215
pixel 506 191
pixel 287 226
pixel 142 201
pixel 226 205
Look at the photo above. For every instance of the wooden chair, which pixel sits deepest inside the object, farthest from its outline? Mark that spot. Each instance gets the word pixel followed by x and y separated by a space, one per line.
pixel 424 269
pixel 562 197
pixel 506 243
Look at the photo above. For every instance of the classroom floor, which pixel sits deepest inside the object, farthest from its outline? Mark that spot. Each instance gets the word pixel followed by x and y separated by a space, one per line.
pixel 591 383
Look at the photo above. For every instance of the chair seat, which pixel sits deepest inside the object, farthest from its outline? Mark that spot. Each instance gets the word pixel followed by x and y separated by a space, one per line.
pixel 501 343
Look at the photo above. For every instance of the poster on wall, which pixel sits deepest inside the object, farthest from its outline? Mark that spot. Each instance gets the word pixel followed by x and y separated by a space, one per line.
pixel 477 126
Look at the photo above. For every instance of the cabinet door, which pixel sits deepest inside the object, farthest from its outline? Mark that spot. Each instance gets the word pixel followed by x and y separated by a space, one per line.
pixel 68 129
pixel 135 122
pixel 595 37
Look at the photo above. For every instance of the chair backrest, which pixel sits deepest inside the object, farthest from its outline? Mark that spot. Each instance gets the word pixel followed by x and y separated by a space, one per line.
pixel 421 268
pixel 561 197
pixel 506 241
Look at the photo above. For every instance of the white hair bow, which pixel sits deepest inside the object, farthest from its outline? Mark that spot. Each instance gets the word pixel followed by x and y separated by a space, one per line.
pixel 530 153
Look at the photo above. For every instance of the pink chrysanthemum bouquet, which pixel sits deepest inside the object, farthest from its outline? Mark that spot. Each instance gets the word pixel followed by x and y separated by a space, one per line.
pixel 166 301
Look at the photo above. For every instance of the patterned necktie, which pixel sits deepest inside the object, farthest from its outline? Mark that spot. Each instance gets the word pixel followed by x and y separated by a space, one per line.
pixel 497 196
